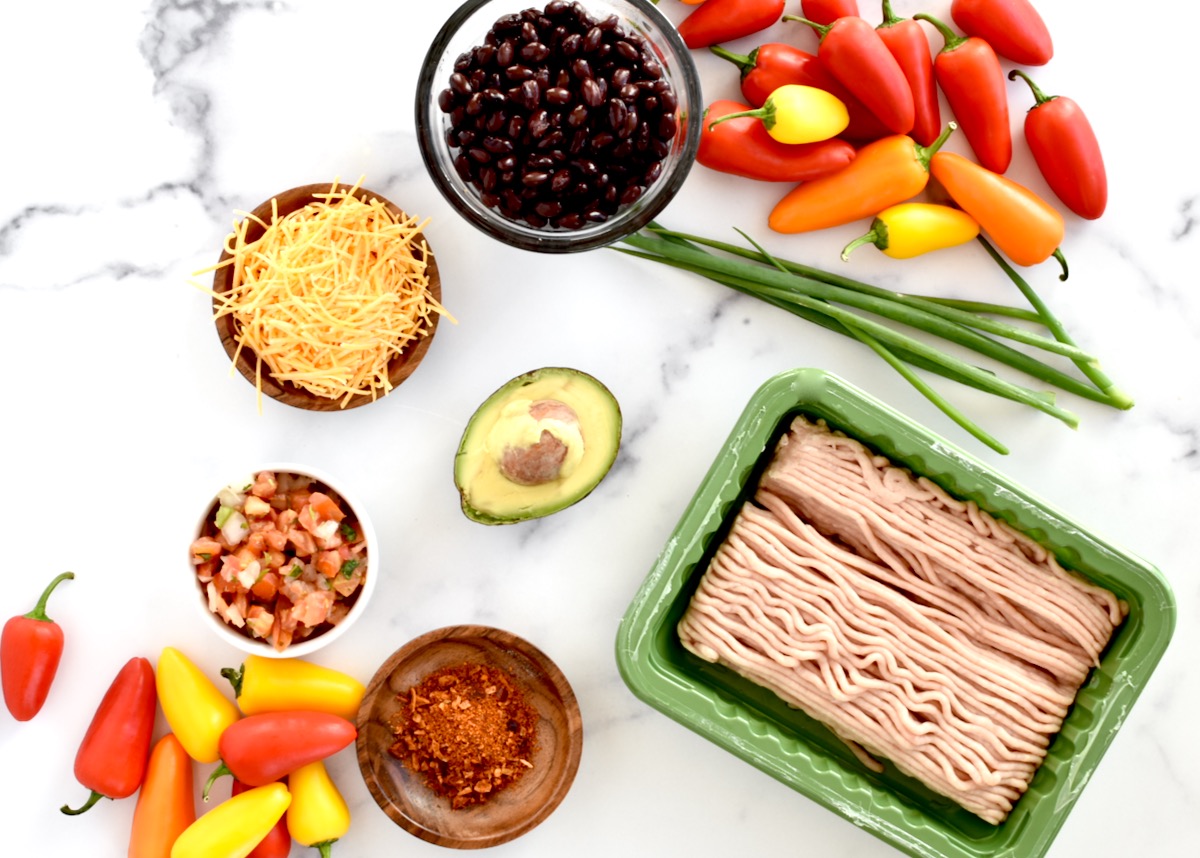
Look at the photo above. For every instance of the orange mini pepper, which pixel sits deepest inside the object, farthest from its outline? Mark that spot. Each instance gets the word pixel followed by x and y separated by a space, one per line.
pixel 166 804
pixel 1024 227
pixel 883 173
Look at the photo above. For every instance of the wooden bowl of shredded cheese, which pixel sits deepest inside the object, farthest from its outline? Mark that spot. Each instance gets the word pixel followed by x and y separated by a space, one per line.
pixel 326 297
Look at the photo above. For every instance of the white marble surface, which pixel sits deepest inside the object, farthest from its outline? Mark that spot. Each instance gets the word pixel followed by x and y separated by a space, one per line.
pixel 131 132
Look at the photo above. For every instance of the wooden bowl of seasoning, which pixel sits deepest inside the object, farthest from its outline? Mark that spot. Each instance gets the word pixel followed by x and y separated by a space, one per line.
pixel 504 721
pixel 290 308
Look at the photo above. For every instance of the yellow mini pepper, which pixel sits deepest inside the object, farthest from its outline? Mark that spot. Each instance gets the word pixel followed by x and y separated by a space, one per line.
pixel 318 815
pixel 911 229
pixel 795 113
pixel 234 827
pixel 280 684
pixel 194 707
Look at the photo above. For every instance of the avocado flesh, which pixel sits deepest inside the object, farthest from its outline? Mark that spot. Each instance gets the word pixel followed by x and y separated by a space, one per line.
pixel 487 495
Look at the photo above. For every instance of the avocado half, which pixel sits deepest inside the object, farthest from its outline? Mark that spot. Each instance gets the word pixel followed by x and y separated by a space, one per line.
pixel 537 445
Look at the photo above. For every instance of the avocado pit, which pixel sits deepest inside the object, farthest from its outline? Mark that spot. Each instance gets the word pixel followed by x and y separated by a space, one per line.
pixel 546 459
pixel 540 443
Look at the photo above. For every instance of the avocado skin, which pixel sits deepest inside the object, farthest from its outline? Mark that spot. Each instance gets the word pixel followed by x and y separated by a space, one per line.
pixel 601 421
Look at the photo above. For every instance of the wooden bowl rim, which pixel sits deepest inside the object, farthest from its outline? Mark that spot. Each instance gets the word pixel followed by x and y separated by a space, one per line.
pixel 400 367
pixel 568 741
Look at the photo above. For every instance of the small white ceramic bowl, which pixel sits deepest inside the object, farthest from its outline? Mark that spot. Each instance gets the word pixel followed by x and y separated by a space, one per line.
pixel 242 638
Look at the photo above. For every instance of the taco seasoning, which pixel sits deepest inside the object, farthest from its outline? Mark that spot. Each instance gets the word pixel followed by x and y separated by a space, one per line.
pixel 467 730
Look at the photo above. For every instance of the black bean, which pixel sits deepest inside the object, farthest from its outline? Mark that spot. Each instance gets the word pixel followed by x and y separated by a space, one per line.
pixel 517 73
pixel 549 208
pixel 581 68
pixel 561 181
pixel 593 91
pixel 571 45
pixel 578 116
pixel 446 100
pixel 495 122
pixel 617 113
pixel 592 40
pixel 627 51
pixel 571 221
pixel 498 145
pixel 506 53
pixel 558 95
pixel 539 124
pixel 534 52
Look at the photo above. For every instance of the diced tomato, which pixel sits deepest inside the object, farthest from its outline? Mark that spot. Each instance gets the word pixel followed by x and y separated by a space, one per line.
pixel 266 587
pixel 256 542
pixel 247 554
pixel 205 548
pixel 303 541
pixel 264 486
pixel 276 539
pixel 329 563
pixel 324 507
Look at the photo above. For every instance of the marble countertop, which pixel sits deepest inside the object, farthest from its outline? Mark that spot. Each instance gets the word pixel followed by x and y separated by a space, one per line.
pixel 133 130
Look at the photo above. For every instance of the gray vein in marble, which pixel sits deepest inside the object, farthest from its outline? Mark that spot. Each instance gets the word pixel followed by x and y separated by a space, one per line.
pixel 1187 215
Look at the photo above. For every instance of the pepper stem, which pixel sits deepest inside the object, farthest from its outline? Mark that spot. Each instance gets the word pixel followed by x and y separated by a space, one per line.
pixel 745 62
pixel 766 113
pixel 1039 97
pixel 925 153
pixel 877 236
pixel 235 675
pixel 890 18
pixel 821 29
pixel 39 610
pixel 953 39
pixel 219 772
pixel 92 799
pixel 1062 260
pixel 325 847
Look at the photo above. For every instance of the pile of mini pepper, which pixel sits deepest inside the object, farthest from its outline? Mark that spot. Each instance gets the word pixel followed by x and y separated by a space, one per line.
pixel 859 126
pixel 286 718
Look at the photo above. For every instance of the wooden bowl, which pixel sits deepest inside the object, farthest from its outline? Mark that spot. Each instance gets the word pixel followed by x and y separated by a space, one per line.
pixel 403 795
pixel 401 366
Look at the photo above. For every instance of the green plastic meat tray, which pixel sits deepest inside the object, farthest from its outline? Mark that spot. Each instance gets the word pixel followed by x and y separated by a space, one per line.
pixel 758 727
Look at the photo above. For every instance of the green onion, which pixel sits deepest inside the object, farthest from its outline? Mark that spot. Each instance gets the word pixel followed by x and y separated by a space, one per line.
pixel 348 533
pixel 348 568
pixel 876 316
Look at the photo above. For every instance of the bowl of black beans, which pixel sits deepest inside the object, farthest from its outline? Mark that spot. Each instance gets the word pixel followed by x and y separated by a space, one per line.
pixel 562 127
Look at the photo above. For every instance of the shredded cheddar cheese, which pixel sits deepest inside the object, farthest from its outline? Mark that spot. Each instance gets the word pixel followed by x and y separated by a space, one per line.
pixel 329 294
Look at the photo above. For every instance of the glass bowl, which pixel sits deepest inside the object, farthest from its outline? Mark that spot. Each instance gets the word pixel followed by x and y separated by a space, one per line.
pixel 584 155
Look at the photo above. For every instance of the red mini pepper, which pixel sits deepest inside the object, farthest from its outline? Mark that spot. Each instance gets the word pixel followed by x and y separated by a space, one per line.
pixel 856 56
pixel 743 147
pixel 969 73
pixel 828 11
pixel 30 648
pixel 906 40
pixel 261 749
pixel 775 64
pixel 1012 27
pixel 278 843
pixel 1066 151
pixel 724 20
pixel 112 758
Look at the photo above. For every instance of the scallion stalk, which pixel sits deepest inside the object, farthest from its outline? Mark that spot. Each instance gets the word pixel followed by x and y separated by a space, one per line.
pixel 862 311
